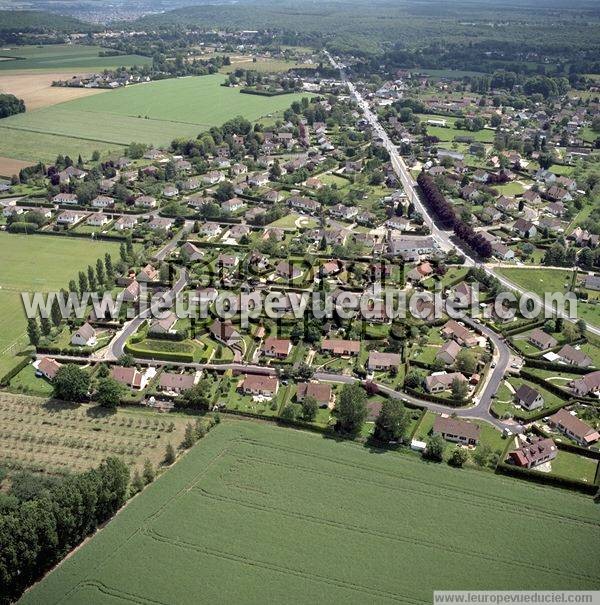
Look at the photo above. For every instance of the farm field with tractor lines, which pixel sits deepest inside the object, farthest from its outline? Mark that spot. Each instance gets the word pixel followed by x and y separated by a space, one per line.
pixel 418 526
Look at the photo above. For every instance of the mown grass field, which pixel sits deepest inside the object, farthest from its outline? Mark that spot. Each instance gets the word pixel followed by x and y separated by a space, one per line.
pixel 57 438
pixel 40 147
pixel 63 56
pixel 261 514
pixel 154 113
pixel 37 263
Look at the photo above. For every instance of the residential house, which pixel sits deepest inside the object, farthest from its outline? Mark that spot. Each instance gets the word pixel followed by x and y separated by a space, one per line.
pixel 146 201
pixel 574 428
pixel 457 431
pixel 125 223
pixel 303 203
pixel 98 219
pixel 462 335
pixel 574 357
pixel 542 340
pixel 232 205
pixel 383 361
pixel 448 352
pixel 213 177
pixel 340 347
pixel 276 347
pixel 69 199
pixel 287 270
pixel 192 252
pixel 47 367
pixel 158 222
pixel 442 381
pixel 534 453
pixel 165 325
pixel 502 251
pixel 586 385
pixel 224 332
pixel 148 274
pixel 129 377
pixel 257 384
pixel 524 228
pixel 227 261
pixel 321 392
pixel 343 212
pixel 70 217
pixel 528 397
pixel 170 191
pixel 176 383
pixel 84 336
pixel 103 201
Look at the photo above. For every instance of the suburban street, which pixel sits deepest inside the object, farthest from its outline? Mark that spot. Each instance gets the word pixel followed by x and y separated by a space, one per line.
pixel 442 237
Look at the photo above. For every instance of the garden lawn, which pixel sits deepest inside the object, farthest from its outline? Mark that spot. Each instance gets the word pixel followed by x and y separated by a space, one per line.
pixel 539 281
pixel 279 516
pixel 572 466
pixel 37 263
pixel 154 113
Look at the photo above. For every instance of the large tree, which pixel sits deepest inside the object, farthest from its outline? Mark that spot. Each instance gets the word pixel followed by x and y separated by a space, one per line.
pixel 351 408
pixel 71 383
pixel 109 393
pixel 393 421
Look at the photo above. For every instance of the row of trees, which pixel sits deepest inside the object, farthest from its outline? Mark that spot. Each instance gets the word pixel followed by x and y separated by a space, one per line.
pixel 35 534
pixel 445 212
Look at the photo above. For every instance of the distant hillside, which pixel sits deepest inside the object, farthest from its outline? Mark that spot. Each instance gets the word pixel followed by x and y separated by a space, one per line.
pixel 39 21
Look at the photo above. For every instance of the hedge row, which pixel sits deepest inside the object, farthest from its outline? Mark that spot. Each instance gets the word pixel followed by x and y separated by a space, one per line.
pixel 5 380
pixel 544 478
pixel 522 326
pixel 456 403
pixel 266 93
pixel 160 355
pixel 542 364
pixel 50 350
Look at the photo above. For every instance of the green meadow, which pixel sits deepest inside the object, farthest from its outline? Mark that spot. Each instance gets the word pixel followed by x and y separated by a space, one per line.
pixel 154 113
pixel 273 515
pixel 37 263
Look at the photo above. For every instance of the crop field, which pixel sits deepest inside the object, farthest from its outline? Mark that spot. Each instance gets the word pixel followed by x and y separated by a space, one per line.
pixel 37 91
pixel 8 166
pixel 279 515
pixel 62 56
pixel 154 113
pixel 57 438
pixel 37 263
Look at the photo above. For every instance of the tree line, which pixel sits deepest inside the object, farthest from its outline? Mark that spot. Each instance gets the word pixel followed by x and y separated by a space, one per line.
pixel 37 532
pixel 446 214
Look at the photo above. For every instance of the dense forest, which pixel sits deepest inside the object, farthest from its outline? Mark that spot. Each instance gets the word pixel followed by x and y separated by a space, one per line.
pixel 464 32
pixel 10 105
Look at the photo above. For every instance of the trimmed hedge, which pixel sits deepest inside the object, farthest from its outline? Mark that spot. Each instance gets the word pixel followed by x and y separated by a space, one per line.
pixel 457 403
pixel 160 355
pixel 557 367
pixel 5 380
pixel 545 479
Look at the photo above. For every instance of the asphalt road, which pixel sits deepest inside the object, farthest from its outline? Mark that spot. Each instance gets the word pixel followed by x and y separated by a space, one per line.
pixel 441 236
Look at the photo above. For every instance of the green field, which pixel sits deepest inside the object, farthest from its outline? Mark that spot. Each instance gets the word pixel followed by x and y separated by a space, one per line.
pixel 37 263
pixel 45 147
pixel 55 57
pixel 154 113
pixel 261 514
